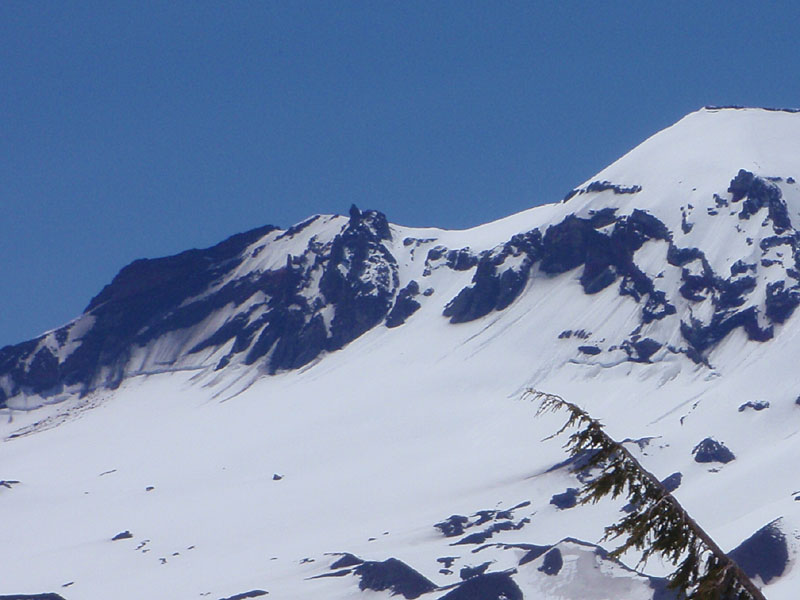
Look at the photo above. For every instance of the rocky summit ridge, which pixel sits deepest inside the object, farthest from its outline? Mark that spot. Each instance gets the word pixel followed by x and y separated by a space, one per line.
pixel 694 264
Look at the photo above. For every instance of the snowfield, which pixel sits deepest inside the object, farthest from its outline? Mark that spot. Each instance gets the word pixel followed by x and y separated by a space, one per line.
pixel 417 442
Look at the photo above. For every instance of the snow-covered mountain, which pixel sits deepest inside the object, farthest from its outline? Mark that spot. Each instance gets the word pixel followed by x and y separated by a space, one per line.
pixel 334 410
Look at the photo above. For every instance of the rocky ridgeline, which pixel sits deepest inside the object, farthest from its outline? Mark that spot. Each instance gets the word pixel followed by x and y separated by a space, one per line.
pixel 345 284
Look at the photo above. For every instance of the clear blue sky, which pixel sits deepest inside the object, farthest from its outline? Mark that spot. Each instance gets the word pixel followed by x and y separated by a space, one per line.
pixel 140 129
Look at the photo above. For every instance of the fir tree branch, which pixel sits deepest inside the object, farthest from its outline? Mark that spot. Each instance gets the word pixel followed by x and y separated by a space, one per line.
pixel 658 523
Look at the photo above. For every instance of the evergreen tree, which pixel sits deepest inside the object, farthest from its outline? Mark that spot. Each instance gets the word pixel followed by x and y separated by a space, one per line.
pixel 657 523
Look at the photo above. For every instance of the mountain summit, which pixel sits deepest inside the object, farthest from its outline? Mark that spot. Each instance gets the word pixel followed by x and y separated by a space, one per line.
pixel 330 408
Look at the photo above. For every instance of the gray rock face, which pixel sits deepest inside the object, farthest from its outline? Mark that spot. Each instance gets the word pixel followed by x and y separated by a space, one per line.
pixel 335 278
pixel 710 450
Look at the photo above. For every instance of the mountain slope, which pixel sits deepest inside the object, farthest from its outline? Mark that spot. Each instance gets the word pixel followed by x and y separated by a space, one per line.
pixel 289 394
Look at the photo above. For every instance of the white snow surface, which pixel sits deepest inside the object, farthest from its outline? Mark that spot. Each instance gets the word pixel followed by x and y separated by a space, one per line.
pixel 404 427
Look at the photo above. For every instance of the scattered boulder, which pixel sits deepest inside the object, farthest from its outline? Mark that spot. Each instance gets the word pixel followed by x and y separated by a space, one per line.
pixel 756 405
pixel 640 350
pixel 553 561
pixel 672 482
pixel 124 535
pixel 710 450
pixel 395 576
pixel 590 350
pixel 404 305
pixel 453 526
pixel 565 500
pixel 781 301
pixel 481 536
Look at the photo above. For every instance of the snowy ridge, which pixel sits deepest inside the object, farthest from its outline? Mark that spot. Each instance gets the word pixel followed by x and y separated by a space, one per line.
pixel 256 412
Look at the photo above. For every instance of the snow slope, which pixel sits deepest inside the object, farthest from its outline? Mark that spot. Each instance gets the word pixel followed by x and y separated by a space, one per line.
pixel 653 296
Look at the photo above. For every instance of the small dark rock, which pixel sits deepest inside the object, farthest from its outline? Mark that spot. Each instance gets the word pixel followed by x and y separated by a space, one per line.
pixel 686 227
pixel 453 526
pixel 755 405
pixel 710 450
pixel 481 536
pixel 124 535
pixel 395 576
pixel 404 305
pixel 672 482
pixel 781 301
pixel 484 516
pixel 590 350
pixel 565 500
pixel 461 259
pixel 277 477
pixel 602 186
pixel 644 349
pixel 553 561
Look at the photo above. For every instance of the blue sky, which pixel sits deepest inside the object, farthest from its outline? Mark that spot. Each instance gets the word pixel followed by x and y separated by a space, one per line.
pixel 140 129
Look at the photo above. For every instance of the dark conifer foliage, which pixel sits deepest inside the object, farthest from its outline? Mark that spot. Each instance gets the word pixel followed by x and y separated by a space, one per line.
pixel 657 524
